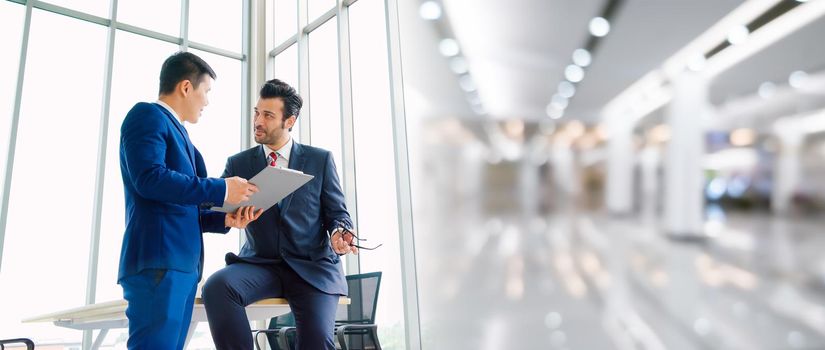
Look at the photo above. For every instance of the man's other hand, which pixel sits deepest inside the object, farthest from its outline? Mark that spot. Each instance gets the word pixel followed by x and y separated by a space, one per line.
pixel 242 217
pixel 342 242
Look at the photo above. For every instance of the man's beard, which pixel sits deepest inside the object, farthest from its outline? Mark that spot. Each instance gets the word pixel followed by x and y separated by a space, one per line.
pixel 266 139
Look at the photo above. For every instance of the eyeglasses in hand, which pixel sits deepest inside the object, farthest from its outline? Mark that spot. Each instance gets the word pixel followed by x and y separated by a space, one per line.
pixel 345 231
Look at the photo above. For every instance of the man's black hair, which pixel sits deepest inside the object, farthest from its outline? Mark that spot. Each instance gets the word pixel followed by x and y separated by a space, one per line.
pixel 183 66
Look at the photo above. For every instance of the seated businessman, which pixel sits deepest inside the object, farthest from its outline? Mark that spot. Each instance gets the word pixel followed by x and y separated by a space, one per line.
pixel 165 185
pixel 293 249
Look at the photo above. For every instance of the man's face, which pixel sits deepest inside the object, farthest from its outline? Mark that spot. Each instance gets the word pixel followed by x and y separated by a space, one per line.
pixel 270 125
pixel 196 99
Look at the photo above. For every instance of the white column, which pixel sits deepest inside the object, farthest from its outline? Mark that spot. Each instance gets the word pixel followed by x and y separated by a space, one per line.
pixel 649 169
pixel 684 183
pixel 620 161
pixel 564 173
pixel 786 171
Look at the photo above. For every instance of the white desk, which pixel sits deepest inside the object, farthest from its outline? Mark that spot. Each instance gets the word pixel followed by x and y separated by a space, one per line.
pixel 112 314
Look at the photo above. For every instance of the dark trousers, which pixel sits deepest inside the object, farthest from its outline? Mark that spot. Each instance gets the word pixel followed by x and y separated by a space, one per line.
pixel 160 308
pixel 230 290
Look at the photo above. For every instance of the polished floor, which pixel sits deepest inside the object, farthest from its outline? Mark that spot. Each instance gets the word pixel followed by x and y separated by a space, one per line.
pixel 585 280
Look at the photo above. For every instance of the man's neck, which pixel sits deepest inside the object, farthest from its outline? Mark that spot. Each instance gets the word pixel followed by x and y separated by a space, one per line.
pixel 277 145
pixel 172 103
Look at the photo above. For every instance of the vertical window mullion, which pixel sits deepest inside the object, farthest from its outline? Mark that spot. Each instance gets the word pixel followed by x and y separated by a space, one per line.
pixel 347 126
pixel 94 245
pixel 15 123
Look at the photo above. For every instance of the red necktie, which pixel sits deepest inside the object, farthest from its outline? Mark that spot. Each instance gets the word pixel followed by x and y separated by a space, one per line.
pixel 274 159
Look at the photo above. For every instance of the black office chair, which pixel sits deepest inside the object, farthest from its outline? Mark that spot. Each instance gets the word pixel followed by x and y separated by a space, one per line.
pixel 28 342
pixel 355 328
pixel 275 325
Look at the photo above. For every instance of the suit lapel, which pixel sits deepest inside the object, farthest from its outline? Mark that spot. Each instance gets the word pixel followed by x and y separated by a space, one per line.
pixel 190 149
pixel 257 162
pixel 296 162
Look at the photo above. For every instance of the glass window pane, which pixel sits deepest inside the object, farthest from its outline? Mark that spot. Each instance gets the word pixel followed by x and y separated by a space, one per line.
pixel 98 8
pixel 286 69
pixel 11 23
pixel 158 15
pixel 324 99
pixel 134 79
pixel 216 23
pixel 286 20
pixel 60 111
pixel 286 66
pixel 269 24
pixel 375 163
pixel 318 8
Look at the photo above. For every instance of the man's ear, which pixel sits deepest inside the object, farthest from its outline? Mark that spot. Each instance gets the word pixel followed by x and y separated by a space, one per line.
pixel 185 86
pixel 290 122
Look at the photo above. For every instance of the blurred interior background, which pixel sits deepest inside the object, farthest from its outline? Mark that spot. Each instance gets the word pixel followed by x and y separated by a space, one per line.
pixel 543 174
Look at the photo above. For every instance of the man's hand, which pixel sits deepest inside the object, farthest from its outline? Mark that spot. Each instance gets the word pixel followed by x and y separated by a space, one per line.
pixel 238 190
pixel 342 242
pixel 242 217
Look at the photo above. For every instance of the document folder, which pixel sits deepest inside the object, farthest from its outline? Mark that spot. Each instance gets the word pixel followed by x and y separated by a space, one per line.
pixel 273 185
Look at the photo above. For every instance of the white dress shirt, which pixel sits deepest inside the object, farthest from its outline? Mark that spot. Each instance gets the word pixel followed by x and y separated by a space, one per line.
pixel 282 154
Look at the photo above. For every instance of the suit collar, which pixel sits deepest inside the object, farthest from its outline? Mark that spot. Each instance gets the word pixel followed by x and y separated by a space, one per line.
pixel 171 115
pixel 285 151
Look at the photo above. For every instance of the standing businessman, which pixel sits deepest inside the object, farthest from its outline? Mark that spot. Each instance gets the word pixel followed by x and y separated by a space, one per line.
pixel 292 250
pixel 165 185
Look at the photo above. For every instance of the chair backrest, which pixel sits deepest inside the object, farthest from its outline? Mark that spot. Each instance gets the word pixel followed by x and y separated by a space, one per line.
pixel 363 295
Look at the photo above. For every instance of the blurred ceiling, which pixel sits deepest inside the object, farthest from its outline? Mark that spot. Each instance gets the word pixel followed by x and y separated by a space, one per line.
pixel 517 51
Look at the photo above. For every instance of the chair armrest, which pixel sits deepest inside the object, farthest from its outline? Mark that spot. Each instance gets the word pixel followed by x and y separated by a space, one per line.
pixel 280 335
pixel 341 330
pixel 283 341
pixel 28 342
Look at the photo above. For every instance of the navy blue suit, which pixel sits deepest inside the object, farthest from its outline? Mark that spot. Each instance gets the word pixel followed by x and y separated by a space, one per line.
pixel 287 254
pixel 165 185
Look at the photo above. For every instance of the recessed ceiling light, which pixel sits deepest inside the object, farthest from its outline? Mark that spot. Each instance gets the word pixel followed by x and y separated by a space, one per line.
pixel 430 10
pixel 467 84
pixel 738 34
pixel 797 79
pixel 582 58
pixel 448 47
pixel 458 65
pixel 767 90
pixel 559 102
pixel 599 26
pixel 574 73
pixel 696 62
pixel 553 112
pixel 567 89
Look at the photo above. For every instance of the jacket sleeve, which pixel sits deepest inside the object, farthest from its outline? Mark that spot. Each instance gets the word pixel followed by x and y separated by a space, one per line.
pixel 144 144
pixel 333 205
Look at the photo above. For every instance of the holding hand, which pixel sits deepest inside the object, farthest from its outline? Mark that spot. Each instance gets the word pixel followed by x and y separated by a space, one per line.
pixel 242 217
pixel 341 241
pixel 238 190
